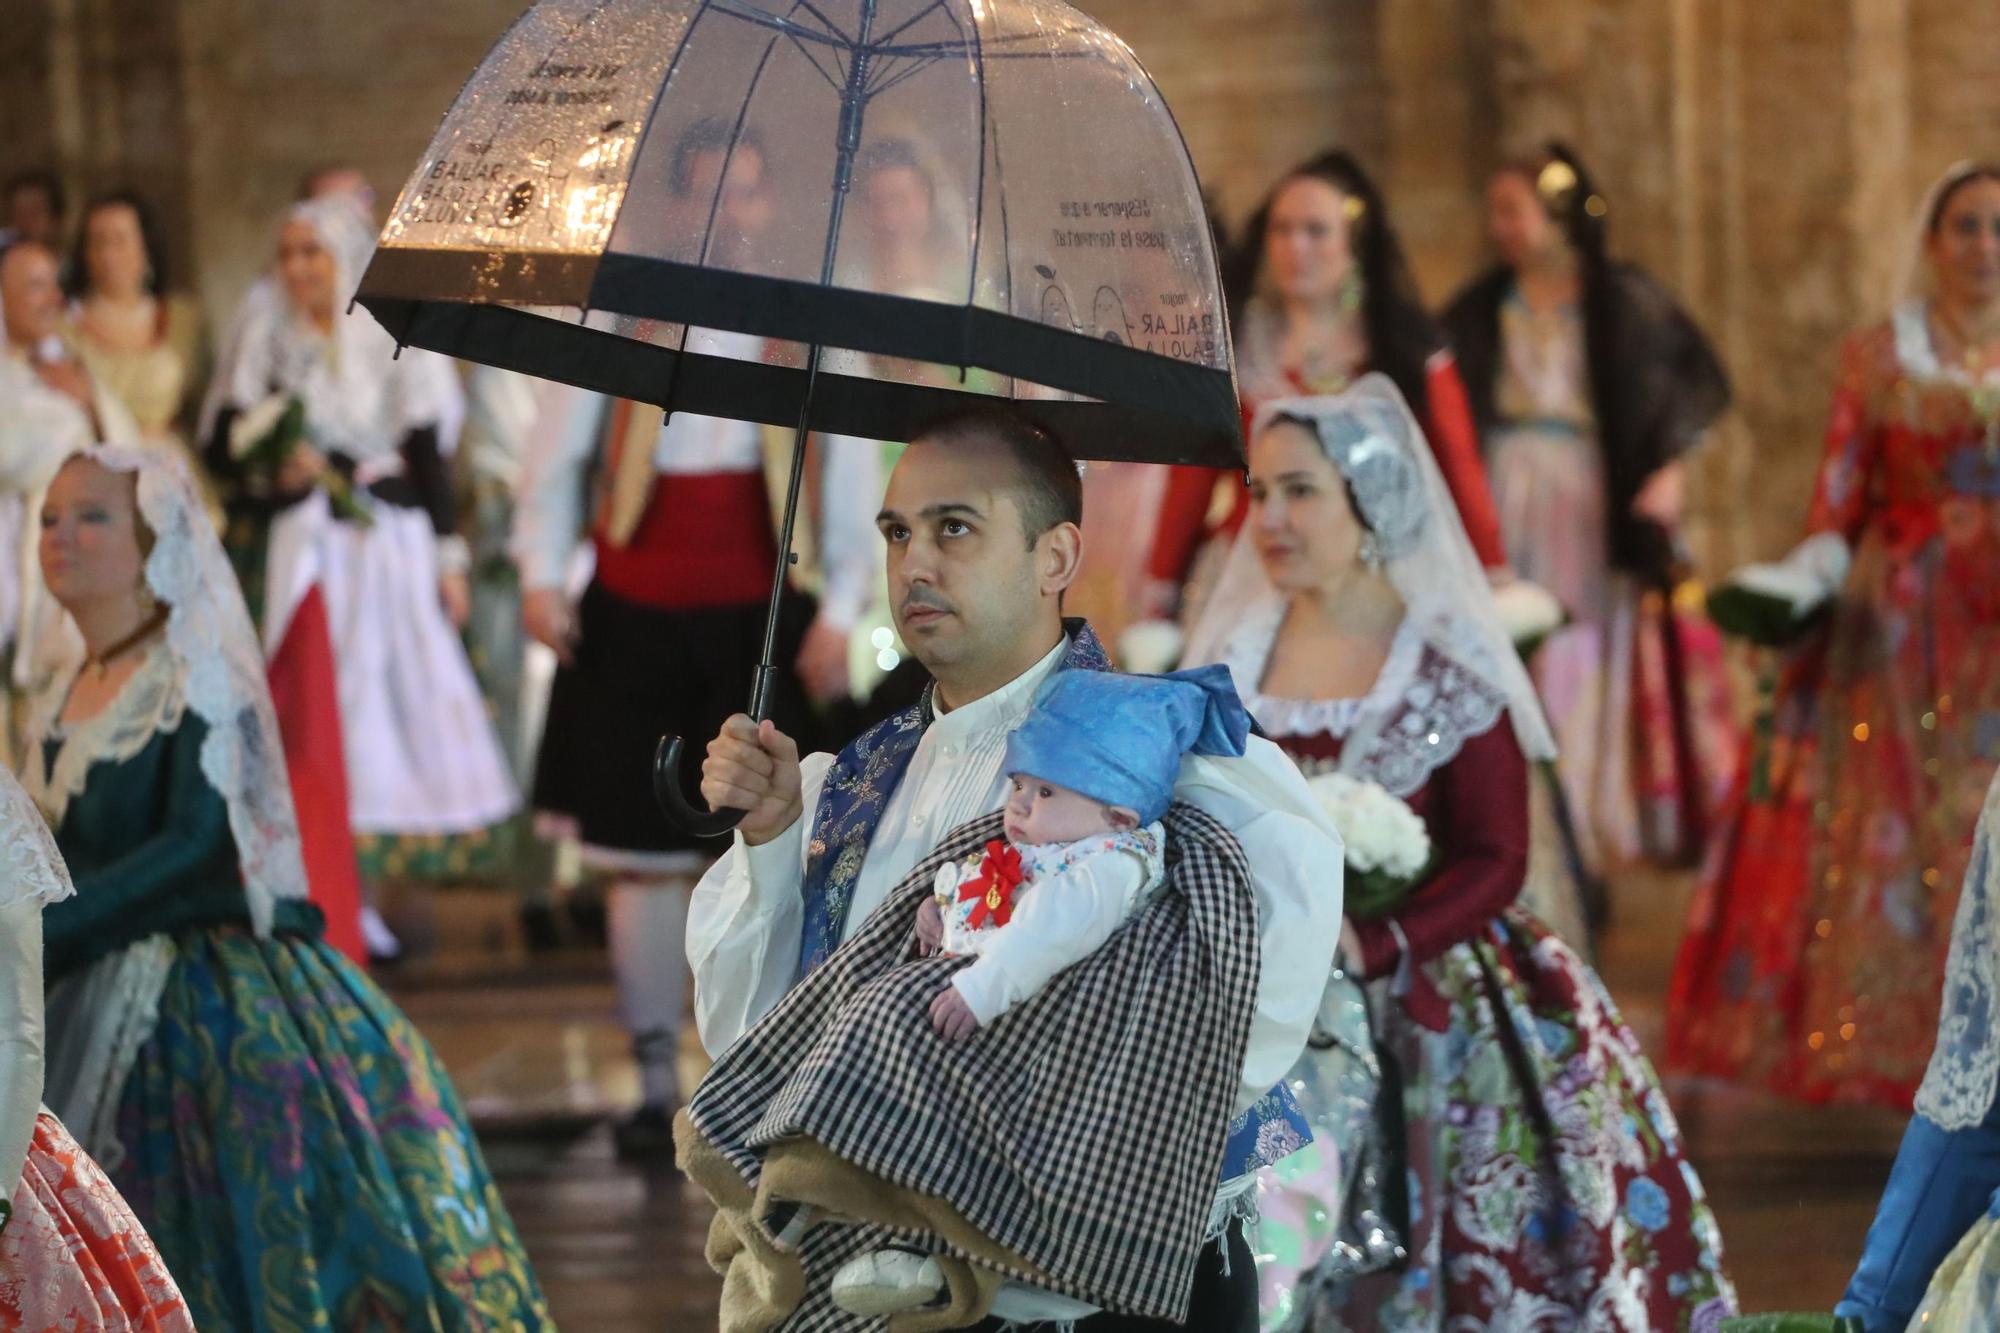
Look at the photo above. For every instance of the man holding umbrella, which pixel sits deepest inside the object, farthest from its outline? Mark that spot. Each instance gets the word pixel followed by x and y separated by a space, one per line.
pixel 982 525
pixel 548 230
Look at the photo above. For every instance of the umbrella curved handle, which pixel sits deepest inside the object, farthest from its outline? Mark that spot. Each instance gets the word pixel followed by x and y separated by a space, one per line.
pixel 667 791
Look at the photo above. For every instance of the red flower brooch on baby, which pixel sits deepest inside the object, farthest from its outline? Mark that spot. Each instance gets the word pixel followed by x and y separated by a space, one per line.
pixel 994 886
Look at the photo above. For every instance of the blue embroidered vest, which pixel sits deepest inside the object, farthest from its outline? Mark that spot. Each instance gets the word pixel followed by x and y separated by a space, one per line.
pixel 857 790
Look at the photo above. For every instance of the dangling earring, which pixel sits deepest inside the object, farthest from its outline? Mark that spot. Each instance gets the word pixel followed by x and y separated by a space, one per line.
pixel 1371 553
pixel 1351 292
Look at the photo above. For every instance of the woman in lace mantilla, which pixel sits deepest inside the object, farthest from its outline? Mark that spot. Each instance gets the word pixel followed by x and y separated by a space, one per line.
pixel 290 1141
pixel 1548 1182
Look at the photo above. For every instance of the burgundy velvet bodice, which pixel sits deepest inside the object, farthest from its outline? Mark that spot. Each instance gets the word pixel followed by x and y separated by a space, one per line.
pixel 1475 805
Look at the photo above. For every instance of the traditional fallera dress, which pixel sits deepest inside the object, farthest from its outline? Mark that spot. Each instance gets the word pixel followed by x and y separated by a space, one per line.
pixel 1815 948
pixel 1546 1182
pixel 1634 684
pixel 1932 1260
pixel 160 383
pixel 426 779
pixel 75 1257
pixel 289 1139
pixel 1548 1179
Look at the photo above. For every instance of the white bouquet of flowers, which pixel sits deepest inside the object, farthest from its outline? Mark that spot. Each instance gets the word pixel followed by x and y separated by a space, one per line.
pixel 1389 851
pixel 1151 647
pixel 1529 613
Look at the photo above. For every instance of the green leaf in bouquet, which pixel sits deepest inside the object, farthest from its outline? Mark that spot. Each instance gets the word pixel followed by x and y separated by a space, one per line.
pixel 276 445
pixel 291 427
pixel 345 504
pixel 1531 645
pixel 1370 895
pixel 1761 618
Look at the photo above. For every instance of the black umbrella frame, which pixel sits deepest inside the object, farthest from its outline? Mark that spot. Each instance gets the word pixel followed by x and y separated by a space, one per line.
pixel 544 313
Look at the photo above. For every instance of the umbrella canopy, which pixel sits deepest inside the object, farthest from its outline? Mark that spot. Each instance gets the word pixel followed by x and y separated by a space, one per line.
pixel 680 201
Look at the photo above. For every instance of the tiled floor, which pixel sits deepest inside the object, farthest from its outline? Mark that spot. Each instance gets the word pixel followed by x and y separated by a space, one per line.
pixel 537 1055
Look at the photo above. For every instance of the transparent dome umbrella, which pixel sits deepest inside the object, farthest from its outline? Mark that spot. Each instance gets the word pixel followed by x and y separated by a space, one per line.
pixel 841 215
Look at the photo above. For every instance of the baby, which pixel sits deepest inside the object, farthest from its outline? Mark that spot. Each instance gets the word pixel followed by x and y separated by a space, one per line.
pixel 1092 772
pixel 1072 867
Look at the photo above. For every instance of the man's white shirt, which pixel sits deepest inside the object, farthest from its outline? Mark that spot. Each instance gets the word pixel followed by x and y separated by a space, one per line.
pixel 748 916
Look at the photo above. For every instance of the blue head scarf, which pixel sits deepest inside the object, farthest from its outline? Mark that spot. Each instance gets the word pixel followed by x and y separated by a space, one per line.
pixel 1120 739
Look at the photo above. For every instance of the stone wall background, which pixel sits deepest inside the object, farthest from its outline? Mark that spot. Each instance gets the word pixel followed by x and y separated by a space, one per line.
pixel 1764 157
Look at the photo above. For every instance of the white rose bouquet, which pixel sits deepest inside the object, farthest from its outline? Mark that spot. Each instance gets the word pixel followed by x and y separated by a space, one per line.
pixel 1389 851
pixel 1151 647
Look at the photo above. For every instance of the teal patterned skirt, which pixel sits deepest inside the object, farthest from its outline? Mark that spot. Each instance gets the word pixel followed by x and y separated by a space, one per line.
pixel 298 1155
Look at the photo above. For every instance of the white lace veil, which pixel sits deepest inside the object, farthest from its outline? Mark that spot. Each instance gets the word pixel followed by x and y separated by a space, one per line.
pixel 1370 436
pixel 1964 1074
pixel 359 394
pixel 1914 279
pixel 210 637
pixel 31 869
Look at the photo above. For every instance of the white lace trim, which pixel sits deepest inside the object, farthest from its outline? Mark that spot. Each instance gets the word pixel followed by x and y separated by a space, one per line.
pixel 152 701
pixel 1964 1074
pixel 31 869
pixel 1441 711
pixel 1917 354
pixel 1411 723
pixel 1251 654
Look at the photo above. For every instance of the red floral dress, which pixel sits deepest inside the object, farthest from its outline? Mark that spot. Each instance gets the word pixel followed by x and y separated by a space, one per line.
pixel 1815 951
pixel 74 1259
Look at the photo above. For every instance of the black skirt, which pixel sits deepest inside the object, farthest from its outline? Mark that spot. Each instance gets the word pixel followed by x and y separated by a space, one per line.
pixel 640 673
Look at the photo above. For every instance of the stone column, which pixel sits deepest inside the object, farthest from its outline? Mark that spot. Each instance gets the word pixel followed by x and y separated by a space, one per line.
pixel 1258 85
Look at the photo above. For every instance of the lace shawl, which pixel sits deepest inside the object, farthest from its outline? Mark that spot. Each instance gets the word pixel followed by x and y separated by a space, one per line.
pixel 1964 1073
pixel 31 869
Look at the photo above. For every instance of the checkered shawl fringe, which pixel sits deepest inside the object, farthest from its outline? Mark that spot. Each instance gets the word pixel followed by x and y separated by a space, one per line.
pixel 1080 1134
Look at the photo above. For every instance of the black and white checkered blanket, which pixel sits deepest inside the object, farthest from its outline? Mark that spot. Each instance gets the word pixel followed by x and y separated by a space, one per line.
pixel 1083 1130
